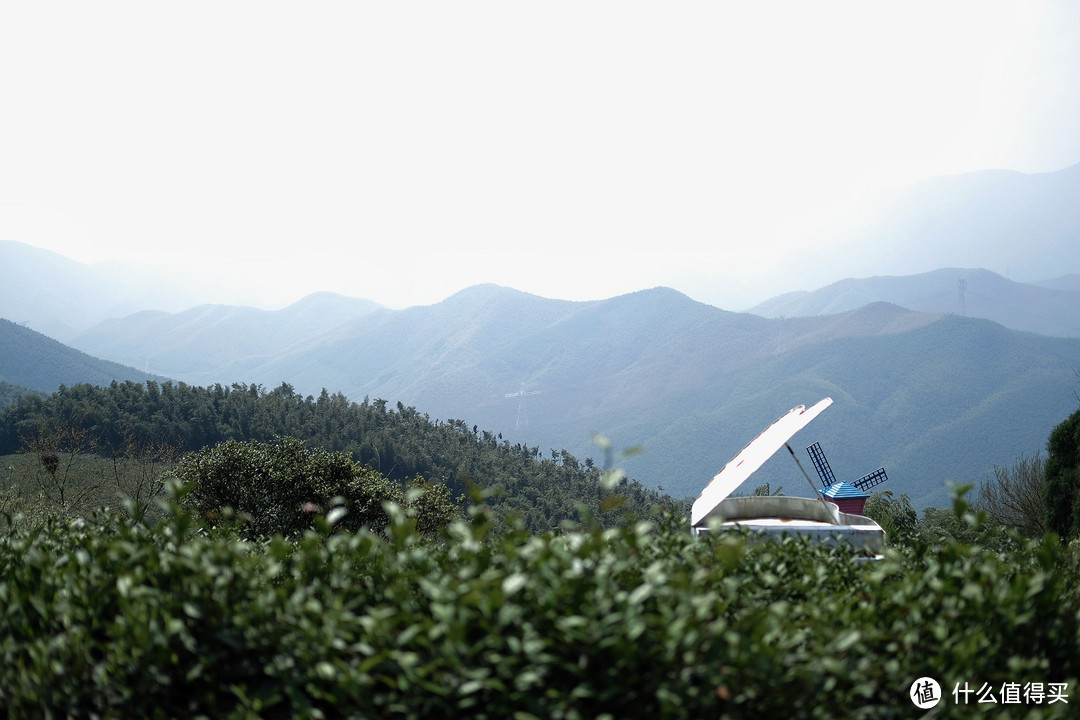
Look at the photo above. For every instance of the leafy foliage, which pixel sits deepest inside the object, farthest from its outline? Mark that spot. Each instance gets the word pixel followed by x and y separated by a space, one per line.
pixel 10 393
pixel 1063 477
pixel 895 515
pixel 118 618
pixel 963 523
pixel 277 489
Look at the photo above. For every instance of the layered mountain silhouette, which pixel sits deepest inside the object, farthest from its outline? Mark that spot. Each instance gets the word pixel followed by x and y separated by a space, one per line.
pixel 933 397
pixel 204 343
pixel 1051 307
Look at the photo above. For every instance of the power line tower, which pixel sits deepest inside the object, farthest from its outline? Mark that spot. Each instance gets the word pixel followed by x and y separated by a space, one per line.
pixel 961 288
pixel 522 413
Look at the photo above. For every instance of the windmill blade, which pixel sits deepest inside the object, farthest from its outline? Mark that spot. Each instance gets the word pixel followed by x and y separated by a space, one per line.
pixel 752 457
pixel 821 464
pixel 871 479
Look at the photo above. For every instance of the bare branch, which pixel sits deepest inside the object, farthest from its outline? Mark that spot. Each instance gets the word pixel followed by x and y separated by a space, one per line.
pixel 1014 498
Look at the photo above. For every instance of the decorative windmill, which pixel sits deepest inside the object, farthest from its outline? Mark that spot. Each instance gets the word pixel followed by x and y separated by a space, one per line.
pixel 849 497
pixel 813 517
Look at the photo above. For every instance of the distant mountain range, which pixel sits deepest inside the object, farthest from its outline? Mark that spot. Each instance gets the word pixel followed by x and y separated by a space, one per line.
pixel 1051 307
pixel 210 342
pixel 932 397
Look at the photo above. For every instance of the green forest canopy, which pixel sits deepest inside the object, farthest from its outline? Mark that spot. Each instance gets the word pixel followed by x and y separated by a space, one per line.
pixel 543 488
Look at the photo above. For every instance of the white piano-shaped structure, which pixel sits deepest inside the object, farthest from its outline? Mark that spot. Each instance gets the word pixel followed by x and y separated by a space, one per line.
pixel 816 517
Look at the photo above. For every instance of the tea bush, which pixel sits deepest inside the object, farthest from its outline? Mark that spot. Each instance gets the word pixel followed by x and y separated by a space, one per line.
pixel 112 617
pixel 276 488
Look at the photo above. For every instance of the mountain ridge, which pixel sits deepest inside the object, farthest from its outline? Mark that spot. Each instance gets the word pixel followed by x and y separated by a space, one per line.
pixel 1050 307
pixel 687 381
pixel 36 362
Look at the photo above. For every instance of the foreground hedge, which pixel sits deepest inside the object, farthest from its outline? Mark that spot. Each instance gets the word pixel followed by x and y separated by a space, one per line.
pixel 112 618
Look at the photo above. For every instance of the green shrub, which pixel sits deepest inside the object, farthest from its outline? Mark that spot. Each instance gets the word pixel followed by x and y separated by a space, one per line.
pixel 280 487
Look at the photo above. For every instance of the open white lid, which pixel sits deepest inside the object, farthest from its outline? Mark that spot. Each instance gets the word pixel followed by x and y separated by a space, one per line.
pixel 752 457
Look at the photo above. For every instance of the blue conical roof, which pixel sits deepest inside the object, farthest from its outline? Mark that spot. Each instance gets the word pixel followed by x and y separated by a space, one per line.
pixel 844 490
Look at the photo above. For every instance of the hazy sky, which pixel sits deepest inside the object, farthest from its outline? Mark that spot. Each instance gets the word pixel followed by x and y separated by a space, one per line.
pixel 401 151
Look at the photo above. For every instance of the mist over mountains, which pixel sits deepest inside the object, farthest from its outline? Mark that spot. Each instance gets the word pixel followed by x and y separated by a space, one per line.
pixel 1021 226
pixel 938 374
pixel 60 297
pixel 1050 307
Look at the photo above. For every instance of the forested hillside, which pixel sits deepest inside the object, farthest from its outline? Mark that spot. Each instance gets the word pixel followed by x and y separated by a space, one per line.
pixel 37 362
pixel 544 485
pixel 10 393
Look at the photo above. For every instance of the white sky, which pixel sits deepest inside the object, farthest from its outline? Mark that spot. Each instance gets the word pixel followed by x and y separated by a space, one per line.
pixel 401 151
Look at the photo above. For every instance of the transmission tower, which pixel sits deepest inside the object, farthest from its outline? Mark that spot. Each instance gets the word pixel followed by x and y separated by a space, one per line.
pixel 522 413
pixel 961 288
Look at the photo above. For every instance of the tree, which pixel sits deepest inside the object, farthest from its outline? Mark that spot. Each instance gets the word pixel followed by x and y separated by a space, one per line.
pixel 431 505
pixel 1062 469
pixel 895 515
pixel 139 472
pixel 944 525
pixel 59 473
pixel 279 488
pixel 1016 497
